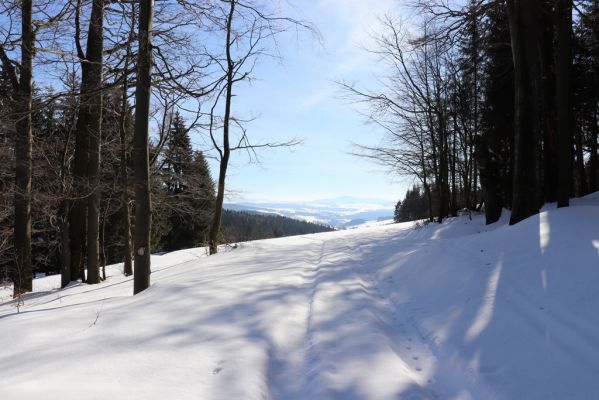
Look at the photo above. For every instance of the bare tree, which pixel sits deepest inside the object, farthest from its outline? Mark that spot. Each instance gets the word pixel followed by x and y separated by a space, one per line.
pixel 141 277
pixel 247 29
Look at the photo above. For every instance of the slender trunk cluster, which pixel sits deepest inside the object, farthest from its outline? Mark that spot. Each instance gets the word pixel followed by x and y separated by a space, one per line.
pixel 85 210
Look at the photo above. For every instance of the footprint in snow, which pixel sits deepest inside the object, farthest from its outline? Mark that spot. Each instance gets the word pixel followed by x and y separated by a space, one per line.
pixel 217 370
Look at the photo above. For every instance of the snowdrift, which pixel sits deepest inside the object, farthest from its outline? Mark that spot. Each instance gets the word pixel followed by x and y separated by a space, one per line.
pixel 450 311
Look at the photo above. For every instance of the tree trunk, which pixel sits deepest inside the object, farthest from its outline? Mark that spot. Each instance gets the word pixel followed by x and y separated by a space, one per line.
pixel 65 245
pixel 78 209
pixel 524 29
pixel 549 107
pixel 94 129
pixel 490 179
pixel 454 199
pixel 563 29
pixel 22 230
pixel 224 159
pixel 594 162
pixel 143 210
pixel 581 179
pixel 127 261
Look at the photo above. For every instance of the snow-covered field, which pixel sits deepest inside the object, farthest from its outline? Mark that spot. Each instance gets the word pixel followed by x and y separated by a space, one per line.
pixel 451 311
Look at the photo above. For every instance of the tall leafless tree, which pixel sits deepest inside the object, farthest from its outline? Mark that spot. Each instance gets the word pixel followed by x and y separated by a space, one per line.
pixel 143 216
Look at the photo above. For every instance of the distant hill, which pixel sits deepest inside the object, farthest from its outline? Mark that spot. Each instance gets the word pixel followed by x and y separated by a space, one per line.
pixel 241 226
pixel 339 212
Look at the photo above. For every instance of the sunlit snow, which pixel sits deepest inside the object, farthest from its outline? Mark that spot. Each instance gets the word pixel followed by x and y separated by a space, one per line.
pixel 386 311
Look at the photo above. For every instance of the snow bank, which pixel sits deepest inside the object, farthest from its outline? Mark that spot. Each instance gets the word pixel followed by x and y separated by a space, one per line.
pixel 452 311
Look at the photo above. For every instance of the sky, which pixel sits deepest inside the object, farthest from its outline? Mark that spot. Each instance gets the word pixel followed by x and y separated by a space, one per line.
pixel 296 97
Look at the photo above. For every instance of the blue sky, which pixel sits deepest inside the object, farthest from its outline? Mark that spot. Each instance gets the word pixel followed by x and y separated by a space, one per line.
pixel 296 97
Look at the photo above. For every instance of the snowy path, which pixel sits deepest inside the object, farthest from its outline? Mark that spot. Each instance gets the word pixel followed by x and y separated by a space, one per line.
pixel 452 311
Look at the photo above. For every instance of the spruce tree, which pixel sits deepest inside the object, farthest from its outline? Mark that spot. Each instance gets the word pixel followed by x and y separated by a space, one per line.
pixel 186 180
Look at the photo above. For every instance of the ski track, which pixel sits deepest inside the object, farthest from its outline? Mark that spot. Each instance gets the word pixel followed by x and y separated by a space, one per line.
pixel 390 320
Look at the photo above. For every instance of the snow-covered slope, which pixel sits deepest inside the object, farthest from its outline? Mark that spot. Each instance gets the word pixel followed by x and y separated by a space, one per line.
pixel 451 311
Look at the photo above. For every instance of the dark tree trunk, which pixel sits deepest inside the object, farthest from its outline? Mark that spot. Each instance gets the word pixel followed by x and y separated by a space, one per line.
pixel 490 180
pixel 444 169
pixel 143 210
pixel 454 200
pixel 594 162
pixel 94 128
pixel 548 104
pixel 65 245
pixel 77 217
pixel 78 209
pixel 124 128
pixel 563 29
pixel 427 188
pixel 226 151
pixel 524 29
pixel 22 231
pixel 581 178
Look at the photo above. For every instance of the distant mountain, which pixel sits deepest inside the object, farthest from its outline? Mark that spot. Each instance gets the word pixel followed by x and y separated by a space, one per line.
pixel 340 212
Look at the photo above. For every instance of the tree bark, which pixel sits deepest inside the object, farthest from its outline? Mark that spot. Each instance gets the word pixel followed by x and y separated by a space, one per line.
pixel 65 245
pixel 94 130
pixel 594 161
pixel 524 28
pixel 78 209
pixel 22 230
pixel 127 258
pixel 143 210
pixel 490 179
pixel 581 179
pixel 563 29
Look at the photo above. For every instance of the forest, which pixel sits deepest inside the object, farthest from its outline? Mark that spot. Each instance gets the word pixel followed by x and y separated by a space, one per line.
pixel 490 105
pixel 486 104
pixel 241 226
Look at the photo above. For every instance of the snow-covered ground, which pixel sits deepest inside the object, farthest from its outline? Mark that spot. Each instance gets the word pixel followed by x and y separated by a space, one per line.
pixel 451 311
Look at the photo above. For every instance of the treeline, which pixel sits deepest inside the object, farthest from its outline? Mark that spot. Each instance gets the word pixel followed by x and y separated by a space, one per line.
pixel 240 226
pixel 98 100
pixel 413 207
pixel 489 102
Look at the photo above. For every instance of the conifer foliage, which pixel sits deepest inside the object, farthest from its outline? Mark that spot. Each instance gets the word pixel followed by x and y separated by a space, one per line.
pixel 187 186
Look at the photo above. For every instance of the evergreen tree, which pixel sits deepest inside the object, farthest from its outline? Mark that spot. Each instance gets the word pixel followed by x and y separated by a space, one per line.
pixel 186 181
pixel 397 212
pixel 413 207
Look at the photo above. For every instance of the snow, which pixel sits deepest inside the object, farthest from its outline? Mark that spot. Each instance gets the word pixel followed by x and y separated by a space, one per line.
pixel 452 311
